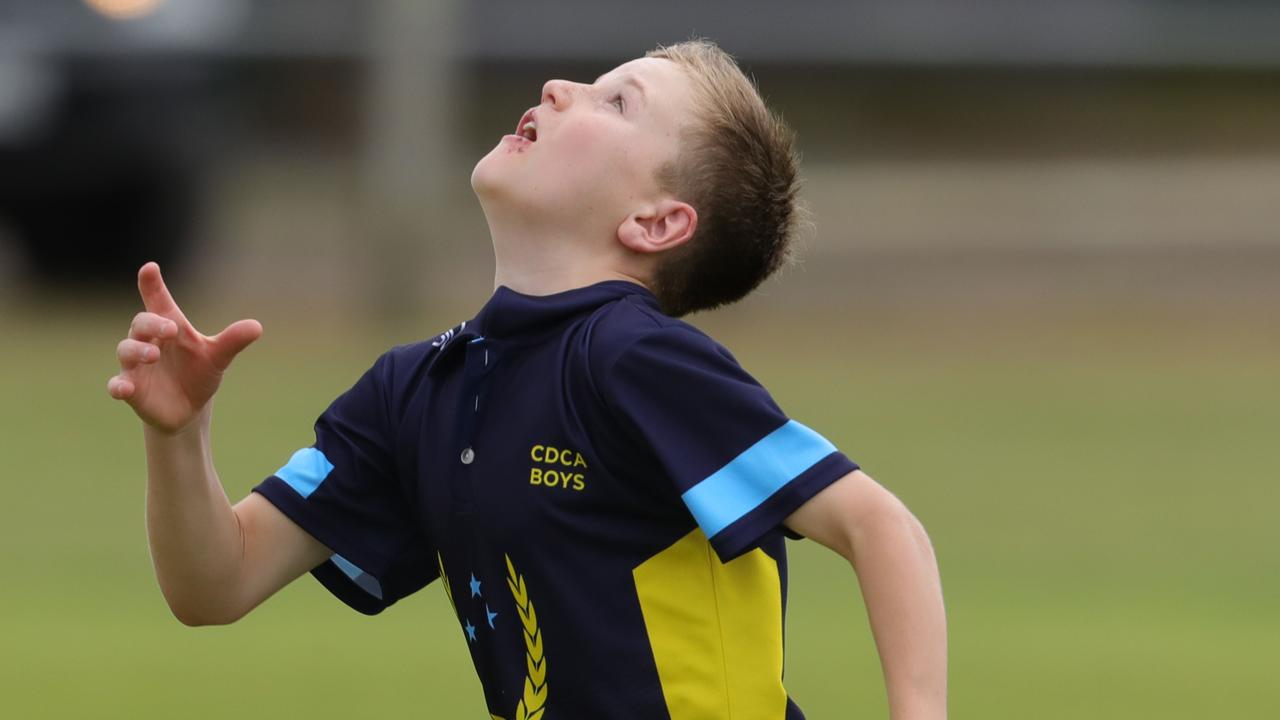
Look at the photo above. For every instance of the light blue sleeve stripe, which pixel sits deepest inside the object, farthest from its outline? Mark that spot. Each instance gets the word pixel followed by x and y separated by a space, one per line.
pixel 364 580
pixel 756 474
pixel 305 471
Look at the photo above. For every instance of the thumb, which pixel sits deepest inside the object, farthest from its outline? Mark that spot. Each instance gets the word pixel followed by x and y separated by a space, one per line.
pixel 236 337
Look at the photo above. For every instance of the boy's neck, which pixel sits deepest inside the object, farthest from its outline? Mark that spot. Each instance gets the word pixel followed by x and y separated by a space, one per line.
pixel 537 264
pixel 549 281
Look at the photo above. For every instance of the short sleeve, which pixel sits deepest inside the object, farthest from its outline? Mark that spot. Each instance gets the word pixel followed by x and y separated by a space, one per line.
pixel 345 492
pixel 740 465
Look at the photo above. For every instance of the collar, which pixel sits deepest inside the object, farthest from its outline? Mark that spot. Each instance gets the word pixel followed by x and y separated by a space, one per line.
pixel 511 315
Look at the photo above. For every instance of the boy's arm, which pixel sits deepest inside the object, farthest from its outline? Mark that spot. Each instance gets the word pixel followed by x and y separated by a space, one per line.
pixel 214 563
pixel 898 573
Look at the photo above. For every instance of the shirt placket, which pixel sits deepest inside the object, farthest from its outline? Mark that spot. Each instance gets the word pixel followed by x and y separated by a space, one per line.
pixel 481 358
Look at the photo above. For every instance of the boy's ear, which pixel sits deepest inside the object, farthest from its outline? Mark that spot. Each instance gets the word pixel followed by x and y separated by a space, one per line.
pixel 662 226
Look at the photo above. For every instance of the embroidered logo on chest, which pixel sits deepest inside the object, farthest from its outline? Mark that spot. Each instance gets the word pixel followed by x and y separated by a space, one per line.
pixel 557 468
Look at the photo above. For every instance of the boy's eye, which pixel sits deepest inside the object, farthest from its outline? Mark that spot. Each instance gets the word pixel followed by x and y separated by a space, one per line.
pixel 617 100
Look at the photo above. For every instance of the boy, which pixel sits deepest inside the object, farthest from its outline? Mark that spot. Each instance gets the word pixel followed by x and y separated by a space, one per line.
pixel 600 488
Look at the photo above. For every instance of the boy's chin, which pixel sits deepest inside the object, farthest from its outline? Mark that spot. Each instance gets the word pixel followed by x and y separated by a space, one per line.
pixel 503 198
pixel 493 175
pixel 500 186
pixel 486 180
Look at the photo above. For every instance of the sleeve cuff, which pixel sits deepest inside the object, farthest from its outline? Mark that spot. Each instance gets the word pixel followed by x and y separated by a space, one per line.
pixel 342 573
pixel 765 521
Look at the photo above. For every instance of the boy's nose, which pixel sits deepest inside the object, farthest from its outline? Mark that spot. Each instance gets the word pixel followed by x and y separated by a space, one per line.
pixel 558 93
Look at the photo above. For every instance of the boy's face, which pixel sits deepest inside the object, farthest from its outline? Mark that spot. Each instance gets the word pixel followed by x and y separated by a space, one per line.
pixel 597 148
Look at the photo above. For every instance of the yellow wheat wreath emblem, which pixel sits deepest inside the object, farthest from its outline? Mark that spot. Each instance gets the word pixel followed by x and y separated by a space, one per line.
pixel 534 701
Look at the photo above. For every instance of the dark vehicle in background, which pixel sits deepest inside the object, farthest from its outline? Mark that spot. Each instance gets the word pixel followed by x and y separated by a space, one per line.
pixel 112 176
pixel 114 113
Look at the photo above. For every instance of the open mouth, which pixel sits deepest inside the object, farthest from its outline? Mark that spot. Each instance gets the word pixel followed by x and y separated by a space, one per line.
pixel 528 127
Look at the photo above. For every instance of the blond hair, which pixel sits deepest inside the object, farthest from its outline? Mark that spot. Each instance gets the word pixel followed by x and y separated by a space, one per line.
pixel 738 168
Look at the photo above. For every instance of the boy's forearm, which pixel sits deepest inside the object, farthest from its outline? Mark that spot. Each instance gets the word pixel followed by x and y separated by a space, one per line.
pixel 193 532
pixel 898 574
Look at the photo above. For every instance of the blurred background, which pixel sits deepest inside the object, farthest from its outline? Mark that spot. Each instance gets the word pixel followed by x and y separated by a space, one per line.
pixel 1040 305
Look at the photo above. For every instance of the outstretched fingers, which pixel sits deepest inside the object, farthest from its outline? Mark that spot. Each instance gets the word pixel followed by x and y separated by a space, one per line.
pixel 236 337
pixel 132 353
pixel 147 333
pixel 149 326
pixel 155 294
pixel 120 387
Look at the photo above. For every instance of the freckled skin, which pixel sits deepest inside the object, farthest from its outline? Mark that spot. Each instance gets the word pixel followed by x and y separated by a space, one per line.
pixel 514 145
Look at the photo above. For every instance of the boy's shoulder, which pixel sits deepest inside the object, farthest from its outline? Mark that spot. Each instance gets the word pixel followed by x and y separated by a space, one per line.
pixel 405 365
pixel 414 357
pixel 631 326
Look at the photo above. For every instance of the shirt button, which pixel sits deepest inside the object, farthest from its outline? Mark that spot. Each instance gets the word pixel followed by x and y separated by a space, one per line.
pixel 468 455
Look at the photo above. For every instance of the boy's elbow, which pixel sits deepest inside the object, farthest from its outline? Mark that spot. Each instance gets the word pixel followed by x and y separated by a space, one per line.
pixel 890 520
pixel 915 530
pixel 190 619
pixel 202 614
pixel 898 513
pixel 203 619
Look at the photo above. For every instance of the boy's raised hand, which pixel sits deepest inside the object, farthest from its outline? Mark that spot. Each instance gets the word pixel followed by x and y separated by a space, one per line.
pixel 168 370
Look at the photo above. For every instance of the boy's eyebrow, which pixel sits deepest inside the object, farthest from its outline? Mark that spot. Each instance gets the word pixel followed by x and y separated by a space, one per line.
pixel 632 80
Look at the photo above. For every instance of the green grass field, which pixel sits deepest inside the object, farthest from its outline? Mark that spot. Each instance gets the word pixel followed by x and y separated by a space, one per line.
pixel 1102 495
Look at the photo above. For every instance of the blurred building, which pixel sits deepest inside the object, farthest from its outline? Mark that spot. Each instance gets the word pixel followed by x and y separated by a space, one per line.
pixel 944 143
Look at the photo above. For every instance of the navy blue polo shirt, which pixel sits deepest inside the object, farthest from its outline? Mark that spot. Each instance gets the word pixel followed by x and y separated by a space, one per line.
pixel 600 489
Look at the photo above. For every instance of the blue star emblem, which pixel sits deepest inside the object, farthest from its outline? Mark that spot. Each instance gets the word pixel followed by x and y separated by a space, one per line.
pixel 475 585
pixel 491 615
pixel 471 630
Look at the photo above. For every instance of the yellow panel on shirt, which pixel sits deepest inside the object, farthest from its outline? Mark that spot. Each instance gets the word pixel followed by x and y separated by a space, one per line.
pixel 716 631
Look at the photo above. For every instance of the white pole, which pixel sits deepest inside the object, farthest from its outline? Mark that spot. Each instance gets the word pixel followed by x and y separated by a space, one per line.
pixel 407 154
